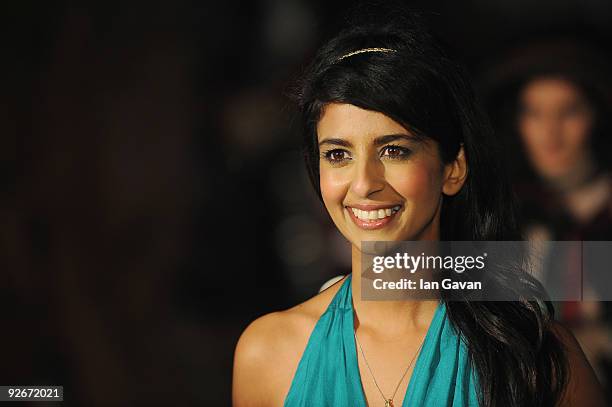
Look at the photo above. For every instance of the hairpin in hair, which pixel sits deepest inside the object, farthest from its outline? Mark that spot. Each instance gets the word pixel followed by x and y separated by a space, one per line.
pixel 364 50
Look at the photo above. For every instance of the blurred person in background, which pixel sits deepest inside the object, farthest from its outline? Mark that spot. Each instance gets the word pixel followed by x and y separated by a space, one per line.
pixel 550 100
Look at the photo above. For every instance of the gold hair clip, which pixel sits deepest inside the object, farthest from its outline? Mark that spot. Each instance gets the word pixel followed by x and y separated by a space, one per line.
pixel 363 50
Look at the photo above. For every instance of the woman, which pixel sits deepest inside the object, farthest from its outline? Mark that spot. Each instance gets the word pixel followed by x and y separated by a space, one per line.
pixel 551 102
pixel 397 149
pixel 553 109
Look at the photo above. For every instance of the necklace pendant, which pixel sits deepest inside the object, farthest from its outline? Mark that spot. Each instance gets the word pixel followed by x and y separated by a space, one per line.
pixel 389 403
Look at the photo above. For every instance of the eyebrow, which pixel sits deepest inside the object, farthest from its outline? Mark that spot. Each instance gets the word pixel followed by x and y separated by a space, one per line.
pixel 378 141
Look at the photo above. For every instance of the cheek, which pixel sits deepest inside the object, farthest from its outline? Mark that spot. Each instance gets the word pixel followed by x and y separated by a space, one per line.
pixel 333 187
pixel 577 132
pixel 528 129
pixel 419 183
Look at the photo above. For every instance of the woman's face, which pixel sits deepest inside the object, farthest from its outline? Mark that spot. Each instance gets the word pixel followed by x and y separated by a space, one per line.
pixel 555 122
pixel 378 181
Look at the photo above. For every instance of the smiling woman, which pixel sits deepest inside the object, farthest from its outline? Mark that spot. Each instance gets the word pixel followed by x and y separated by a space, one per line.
pixel 365 152
pixel 397 149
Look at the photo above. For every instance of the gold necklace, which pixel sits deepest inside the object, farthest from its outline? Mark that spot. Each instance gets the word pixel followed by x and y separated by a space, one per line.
pixel 388 401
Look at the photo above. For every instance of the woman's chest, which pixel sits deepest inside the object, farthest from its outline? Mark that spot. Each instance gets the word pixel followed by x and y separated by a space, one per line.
pixel 385 374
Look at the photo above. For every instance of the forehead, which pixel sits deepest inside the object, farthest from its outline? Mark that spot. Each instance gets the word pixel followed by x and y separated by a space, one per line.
pixel 349 121
pixel 550 92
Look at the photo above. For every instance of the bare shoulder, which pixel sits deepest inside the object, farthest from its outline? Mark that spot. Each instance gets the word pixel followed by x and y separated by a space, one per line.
pixel 583 388
pixel 269 350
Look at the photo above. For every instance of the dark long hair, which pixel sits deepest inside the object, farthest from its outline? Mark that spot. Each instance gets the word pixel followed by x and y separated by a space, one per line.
pixel 518 358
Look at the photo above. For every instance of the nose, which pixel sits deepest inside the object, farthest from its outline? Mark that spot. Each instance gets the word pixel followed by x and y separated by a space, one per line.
pixel 368 177
pixel 552 127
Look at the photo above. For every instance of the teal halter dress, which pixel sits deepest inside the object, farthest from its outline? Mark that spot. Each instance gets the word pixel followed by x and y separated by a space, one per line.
pixel 328 373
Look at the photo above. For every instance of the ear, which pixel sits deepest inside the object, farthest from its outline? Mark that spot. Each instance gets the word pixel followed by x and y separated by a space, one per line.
pixel 455 174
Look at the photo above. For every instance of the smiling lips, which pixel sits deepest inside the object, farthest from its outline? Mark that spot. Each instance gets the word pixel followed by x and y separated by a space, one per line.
pixel 372 216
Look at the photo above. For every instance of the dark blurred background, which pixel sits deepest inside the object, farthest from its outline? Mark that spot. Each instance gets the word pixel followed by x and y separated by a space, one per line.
pixel 154 198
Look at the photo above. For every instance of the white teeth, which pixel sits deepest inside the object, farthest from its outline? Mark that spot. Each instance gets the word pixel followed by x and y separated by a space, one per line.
pixel 375 214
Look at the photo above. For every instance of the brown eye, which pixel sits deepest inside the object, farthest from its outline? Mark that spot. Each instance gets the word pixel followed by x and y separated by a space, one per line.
pixel 336 156
pixel 395 152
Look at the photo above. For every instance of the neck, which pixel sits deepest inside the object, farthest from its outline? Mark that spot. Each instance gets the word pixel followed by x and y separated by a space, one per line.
pixel 586 202
pixel 391 319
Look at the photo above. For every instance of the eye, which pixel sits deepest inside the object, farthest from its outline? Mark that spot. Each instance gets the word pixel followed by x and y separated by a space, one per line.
pixel 395 152
pixel 572 110
pixel 336 155
pixel 529 112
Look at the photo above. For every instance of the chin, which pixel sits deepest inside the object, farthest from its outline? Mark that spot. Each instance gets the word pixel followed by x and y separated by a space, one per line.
pixel 380 237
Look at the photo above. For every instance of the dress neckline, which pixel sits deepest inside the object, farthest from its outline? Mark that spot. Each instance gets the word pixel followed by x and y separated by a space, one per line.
pixel 349 333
